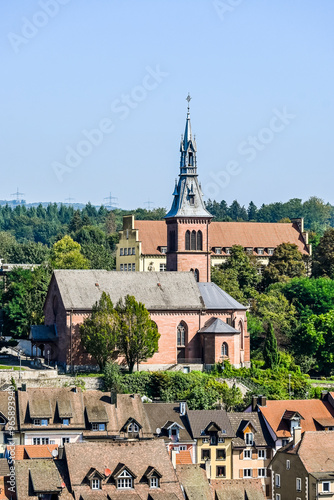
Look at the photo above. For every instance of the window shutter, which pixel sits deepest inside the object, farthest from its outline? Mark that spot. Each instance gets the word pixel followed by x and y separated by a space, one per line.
pixel 268 473
pixel 254 454
pixel 241 456
pixel 241 473
pixel 254 472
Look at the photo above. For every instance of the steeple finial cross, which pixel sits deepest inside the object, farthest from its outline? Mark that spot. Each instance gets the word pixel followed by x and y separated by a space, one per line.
pixel 188 98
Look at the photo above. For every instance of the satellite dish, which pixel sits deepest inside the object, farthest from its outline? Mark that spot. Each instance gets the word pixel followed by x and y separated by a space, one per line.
pixel 107 472
pixel 158 430
pixel 54 453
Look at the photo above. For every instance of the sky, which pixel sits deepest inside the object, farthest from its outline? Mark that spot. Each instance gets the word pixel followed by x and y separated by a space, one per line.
pixel 93 99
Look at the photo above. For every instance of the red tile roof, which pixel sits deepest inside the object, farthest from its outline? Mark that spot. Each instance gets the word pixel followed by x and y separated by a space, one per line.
pixel 153 235
pixel 310 409
pixel 33 451
pixel 183 457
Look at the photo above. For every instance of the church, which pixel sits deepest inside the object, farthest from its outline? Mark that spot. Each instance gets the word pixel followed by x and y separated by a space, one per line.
pixel 199 324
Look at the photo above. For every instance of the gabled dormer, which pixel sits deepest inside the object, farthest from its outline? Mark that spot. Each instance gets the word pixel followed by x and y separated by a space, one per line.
pixel 153 477
pixel 123 477
pixel 173 430
pixel 94 478
pixel 132 428
pixel 40 411
pixel 293 419
pixel 248 431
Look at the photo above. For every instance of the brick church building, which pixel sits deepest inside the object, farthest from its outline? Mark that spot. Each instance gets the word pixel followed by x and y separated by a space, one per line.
pixel 198 322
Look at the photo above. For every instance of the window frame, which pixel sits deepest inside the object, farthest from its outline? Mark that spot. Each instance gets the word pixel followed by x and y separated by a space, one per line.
pixel 95 482
pixel 207 452
pixel 264 472
pixel 263 452
pixel 329 487
pixel 133 428
pixel 277 480
pixel 154 479
pixel 124 481
pixel 221 451
pixel 287 464
pixel 121 252
pixel 298 484
pixel 64 420
pixel 247 473
pixel 249 453
pixel 249 438
pixel 224 470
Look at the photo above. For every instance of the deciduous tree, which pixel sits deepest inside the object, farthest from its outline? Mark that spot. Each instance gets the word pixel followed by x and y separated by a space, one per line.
pixel 66 254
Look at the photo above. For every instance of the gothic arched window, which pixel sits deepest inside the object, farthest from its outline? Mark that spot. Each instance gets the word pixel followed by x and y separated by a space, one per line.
pixel 187 240
pixel 181 334
pixel 199 240
pixel 193 240
pixel 224 350
pixel 241 329
pixel 196 274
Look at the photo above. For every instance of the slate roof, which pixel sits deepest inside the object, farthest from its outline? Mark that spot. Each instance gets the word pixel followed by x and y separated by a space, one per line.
pixel 216 298
pixel 45 333
pixel 216 325
pixel 158 415
pixel 153 234
pixel 135 455
pixel 81 289
pixel 35 476
pixel 261 435
pixel 194 481
pixel 310 409
pixel 200 419
pixel 238 489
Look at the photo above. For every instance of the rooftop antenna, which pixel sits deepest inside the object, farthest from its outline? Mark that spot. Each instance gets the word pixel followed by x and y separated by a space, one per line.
pixel 149 204
pixel 110 201
pixel 17 195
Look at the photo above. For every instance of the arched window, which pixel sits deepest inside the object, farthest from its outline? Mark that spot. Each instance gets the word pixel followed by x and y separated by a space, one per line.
pixel 187 240
pixel 181 334
pixel 191 159
pixel 199 240
pixel 224 350
pixel 196 274
pixel 193 240
pixel 241 329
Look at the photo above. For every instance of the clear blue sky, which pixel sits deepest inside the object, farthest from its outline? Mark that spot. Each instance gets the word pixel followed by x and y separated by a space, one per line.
pixel 66 69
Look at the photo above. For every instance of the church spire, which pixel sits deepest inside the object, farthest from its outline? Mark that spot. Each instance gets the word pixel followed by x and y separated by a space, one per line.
pixel 188 150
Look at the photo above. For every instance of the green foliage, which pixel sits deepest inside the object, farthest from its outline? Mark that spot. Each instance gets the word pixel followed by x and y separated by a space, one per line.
pixel 310 296
pixel 270 351
pixel 66 254
pixel 138 334
pixel 99 332
pixel 323 261
pixel 287 262
pixel 23 300
pixel 113 377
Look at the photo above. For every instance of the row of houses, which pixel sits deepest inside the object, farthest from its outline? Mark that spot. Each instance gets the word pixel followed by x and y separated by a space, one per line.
pixel 251 445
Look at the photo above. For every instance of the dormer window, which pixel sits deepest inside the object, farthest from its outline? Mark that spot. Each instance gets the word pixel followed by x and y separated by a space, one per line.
pixel 133 427
pixel 249 250
pixel 163 250
pixel 260 251
pixel 124 481
pixel 228 250
pixel 37 421
pixel 154 482
pixel 270 251
pixel 249 438
pixel 98 426
pixel 96 484
pixel 41 421
pixel 218 250
pixel 66 421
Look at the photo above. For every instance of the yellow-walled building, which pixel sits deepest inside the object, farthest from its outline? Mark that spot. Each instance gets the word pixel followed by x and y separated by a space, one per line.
pixel 213 433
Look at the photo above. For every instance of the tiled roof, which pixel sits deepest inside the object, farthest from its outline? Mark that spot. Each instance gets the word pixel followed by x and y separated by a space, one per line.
pixel 41 475
pixel 194 481
pixel 158 415
pixel 238 489
pixel 4 467
pixel 261 435
pixel 4 406
pixel 183 457
pixel 310 409
pixel 153 234
pixel 137 456
pixel 23 451
pixel 200 419
pixel 316 451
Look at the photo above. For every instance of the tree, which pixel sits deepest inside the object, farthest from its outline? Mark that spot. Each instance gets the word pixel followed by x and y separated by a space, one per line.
pixel 99 332
pixel 228 281
pixel 310 296
pixel 270 351
pixel 138 334
pixel 323 262
pixel 23 300
pixel 252 211
pixel 66 254
pixel 316 338
pixel 287 262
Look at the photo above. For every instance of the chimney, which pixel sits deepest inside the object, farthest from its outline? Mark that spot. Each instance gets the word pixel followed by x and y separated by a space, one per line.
pixel 324 395
pixel 183 408
pixel 254 403
pixel 262 401
pixel 297 435
pixel 24 387
pixel 113 397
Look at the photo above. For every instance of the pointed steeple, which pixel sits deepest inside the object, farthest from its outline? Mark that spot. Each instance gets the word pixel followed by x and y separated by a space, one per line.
pixel 188 197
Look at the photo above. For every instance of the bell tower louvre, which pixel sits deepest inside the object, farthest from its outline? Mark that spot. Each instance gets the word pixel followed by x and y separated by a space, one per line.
pixel 188 220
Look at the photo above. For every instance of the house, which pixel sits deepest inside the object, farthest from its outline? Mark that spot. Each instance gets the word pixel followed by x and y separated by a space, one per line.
pixel 282 416
pixel 188 239
pixel 179 305
pixel 169 421
pixel 138 470
pixel 251 448
pixel 42 479
pixel 240 489
pixel 56 416
pixel 213 433
pixel 304 468
pixel 8 424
